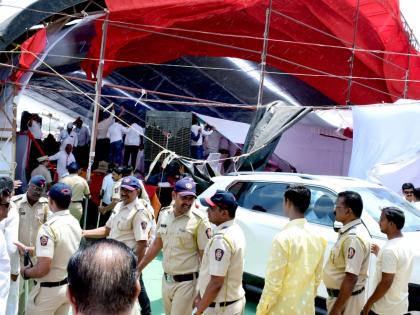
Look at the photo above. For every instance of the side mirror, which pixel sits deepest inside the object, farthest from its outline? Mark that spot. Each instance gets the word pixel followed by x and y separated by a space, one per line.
pixel 337 226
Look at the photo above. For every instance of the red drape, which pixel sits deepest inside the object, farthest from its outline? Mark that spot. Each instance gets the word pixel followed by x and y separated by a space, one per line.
pixel 379 28
pixel 30 48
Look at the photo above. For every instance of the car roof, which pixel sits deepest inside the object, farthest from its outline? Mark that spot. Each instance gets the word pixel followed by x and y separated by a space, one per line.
pixel 338 183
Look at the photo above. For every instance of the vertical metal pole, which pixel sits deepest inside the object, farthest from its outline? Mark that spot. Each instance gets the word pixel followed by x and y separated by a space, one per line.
pixel 264 54
pixel 259 113
pixel 350 81
pixel 407 71
pixel 98 88
pixel 14 130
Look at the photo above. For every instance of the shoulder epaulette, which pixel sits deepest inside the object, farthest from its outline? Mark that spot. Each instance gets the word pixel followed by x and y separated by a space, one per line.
pixel 17 198
pixel 165 208
pixel 43 200
pixel 198 213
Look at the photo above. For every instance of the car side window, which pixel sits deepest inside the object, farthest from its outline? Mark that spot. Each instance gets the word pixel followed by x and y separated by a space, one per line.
pixel 321 208
pixel 260 196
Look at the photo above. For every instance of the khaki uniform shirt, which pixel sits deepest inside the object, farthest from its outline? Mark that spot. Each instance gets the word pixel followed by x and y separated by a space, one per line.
pixel 182 238
pixel 224 257
pixel 350 254
pixel 79 187
pixel 43 171
pixel 31 218
pixel 130 223
pixel 59 238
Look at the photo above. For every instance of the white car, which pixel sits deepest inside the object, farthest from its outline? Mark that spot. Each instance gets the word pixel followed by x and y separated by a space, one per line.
pixel 260 215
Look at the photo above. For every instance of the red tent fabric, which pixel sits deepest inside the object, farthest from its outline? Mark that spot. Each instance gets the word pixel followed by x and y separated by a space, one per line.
pixel 162 30
pixel 30 48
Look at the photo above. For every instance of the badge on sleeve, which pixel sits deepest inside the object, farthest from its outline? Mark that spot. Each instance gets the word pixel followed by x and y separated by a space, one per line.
pixel 218 254
pixel 144 225
pixel 352 252
pixel 43 240
pixel 208 233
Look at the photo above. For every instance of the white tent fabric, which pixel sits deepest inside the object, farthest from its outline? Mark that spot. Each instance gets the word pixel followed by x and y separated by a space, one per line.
pixel 314 150
pixel 314 145
pixel 386 142
pixel 407 167
pixel 234 131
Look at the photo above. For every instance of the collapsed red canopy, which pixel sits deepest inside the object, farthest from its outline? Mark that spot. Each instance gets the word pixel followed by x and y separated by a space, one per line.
pixel 31 48
pixel 379 28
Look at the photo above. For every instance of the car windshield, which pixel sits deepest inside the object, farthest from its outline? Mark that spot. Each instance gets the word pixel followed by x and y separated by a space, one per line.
pixel 375 199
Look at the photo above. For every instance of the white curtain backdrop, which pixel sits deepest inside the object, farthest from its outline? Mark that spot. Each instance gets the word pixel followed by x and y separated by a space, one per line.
pixel 386 144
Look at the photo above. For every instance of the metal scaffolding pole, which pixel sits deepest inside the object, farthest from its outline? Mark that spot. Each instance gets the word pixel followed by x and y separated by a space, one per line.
pixel 264 53
pixel 350 82
pixel 98 88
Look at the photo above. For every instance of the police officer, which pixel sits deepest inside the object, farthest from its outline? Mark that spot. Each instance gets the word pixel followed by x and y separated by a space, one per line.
pixel 220 280
pixel 131 223
pixel 79 189
pixel 57 240
pixel 182 233
pixel 33 211
pixel 346 270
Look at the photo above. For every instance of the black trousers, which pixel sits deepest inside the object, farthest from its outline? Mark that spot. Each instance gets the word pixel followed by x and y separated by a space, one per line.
pixel 131 150
pixel 144 299
pixel 101 150
pixel 82 155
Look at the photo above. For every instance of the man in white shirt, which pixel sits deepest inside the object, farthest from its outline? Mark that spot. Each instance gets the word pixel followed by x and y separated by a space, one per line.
pixel 133 138
pixel 10 229
pixel 68 136
pixel 5 195
pixel 102 140
pixel 63 158
pixel 34 126
pixel 106 193
pixel 197 134
pixel 83 139
pixel 393 268
pixel 416 194
pixel 115 134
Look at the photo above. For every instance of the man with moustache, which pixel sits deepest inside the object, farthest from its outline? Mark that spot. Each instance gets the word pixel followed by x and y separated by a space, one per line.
pixel 182 234
pixel 130 223
pixel 393 267
pixel 346 270
pixel 220 281
pixel 33 211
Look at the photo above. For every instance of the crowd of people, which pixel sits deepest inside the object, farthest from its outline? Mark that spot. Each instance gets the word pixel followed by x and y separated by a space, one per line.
pixel 46 268
pixel 49 263
pixel 115 144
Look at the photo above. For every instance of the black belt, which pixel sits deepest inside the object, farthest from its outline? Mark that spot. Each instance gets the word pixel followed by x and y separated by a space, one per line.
pixel 181 278
pixel 53 284
pixel 222 304
pixel 78 201
pixel 335 292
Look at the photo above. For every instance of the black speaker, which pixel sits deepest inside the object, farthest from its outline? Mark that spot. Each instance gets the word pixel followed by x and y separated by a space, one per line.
pixel 171 130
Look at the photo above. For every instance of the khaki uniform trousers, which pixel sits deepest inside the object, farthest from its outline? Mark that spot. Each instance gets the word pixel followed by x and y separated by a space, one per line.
pixel 48 301
pixel 22 302
pixel 76 210
pixel 178 297
pixel 353 306
pixel 232 309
